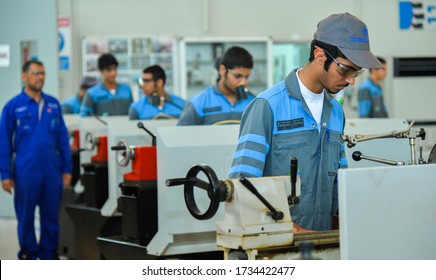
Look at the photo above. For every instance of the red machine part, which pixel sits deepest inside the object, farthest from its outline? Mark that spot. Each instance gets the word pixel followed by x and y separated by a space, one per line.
pixel 75 145
pixel 101 150
pixel 144 165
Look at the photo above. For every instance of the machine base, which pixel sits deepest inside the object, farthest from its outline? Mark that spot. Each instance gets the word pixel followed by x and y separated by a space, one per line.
pixel 88 225
pixel 325 246
pixel 66 231
pixel 120 248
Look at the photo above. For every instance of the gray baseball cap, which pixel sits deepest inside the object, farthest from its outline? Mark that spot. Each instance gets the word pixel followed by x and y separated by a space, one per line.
pixel 87 82
pixel 350 35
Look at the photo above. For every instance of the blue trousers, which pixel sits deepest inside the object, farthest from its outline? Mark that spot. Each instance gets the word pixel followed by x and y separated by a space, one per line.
pixel 43 188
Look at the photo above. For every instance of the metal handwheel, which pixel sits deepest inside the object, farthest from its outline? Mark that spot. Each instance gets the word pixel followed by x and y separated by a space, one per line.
pixel 90 142
pixel 124 153
pixel 215 190
pixel 162 116
pixel 227 122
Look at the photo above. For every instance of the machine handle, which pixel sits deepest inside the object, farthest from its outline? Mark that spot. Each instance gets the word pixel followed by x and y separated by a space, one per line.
pixel 177 181
pixel 276 215
pixel 357 156
pixel 153 137
pixel 99 119
pixel 118 148
pixel 421 133
pixel 293 199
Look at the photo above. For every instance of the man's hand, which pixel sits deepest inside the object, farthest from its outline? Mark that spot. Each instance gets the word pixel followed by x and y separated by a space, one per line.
pixel 66 180
pixel 300 229
pixel 8 185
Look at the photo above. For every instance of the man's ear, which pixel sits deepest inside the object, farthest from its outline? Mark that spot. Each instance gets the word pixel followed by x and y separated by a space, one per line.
pixel 160 83
pixel 222 70
pixel 319 55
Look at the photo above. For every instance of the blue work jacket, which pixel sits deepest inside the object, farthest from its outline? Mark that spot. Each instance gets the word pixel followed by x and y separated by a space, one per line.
pixel 71 105
pixel 143 109
pixel 210 106
pixel 99 101
pixel 277 126
pixel 33 137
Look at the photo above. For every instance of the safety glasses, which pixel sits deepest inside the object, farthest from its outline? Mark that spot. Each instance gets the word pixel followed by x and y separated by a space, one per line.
pixel 344 70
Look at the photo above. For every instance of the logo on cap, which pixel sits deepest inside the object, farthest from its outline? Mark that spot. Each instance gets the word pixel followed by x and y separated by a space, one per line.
pixel 363 39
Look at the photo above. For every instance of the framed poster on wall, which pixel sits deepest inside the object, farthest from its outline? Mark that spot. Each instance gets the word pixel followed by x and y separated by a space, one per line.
pixel 198 56
pixel 133 53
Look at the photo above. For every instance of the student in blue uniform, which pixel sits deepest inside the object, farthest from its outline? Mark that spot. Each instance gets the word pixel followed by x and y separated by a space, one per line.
pixel 72 104
pixel 299 118
pixel 35 162
pixel 370 98
pixel 107 98
pixel 156 103
pixel 225 101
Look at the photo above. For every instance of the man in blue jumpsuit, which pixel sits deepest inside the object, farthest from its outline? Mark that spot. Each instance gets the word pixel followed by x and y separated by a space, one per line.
pixel 370 99
pixel 72 104
pixel 35 162
pixel 156 102
pixel 108 98
pixel 299 118
pixel 225 101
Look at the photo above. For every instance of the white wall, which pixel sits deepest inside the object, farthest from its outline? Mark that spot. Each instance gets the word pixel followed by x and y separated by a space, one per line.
pixel 22 20
pixel 26 20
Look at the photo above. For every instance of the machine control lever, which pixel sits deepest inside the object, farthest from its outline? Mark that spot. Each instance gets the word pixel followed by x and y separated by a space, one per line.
pixel 357 156
pixel 118 148
pixel 276 215
pixel 141 125
pixel 99 119
pixel 408 133
pixel 421 159
pixel 293 199
pixel 178 181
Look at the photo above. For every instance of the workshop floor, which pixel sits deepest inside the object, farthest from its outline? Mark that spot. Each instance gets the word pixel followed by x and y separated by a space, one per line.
pixel 8 238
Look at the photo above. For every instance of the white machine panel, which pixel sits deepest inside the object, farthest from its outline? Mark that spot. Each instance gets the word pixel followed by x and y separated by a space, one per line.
pixel 178 149
pixel 386 148
pixel 96 128
pixel 71 121
pixel 388 212
pixel 127 130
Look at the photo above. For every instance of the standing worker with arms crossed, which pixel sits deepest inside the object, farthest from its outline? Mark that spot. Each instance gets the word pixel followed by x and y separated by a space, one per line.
pixel 35 161
pixel 299 118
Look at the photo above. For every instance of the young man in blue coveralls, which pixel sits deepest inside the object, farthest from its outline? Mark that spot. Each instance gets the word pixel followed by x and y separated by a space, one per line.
pixel 72 104
pixel 225 101
pixel 156 102
pixel 108 98
pixel 299 118
pixel 370 98
pixel 35 162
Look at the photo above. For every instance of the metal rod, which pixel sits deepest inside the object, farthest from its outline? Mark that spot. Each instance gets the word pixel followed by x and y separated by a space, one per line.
pixel 276 215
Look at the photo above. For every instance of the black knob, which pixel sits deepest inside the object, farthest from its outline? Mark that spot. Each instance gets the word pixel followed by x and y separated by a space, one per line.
pixel 293 200
pixel 422 133
pixel 357 156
